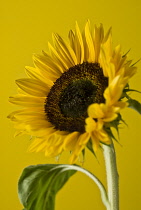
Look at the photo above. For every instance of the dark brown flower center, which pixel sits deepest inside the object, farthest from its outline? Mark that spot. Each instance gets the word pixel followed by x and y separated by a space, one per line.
pixel 67 102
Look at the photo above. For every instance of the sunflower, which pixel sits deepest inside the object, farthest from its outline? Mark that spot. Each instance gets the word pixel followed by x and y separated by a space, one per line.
pixel 73 93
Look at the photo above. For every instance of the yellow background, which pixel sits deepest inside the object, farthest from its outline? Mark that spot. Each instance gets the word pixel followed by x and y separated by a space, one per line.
pixel 26 27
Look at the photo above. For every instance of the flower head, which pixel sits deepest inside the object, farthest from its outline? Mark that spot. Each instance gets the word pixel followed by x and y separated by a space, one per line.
pixel 72 92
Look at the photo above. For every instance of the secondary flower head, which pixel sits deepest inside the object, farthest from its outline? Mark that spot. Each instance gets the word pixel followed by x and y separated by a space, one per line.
pixel 73 92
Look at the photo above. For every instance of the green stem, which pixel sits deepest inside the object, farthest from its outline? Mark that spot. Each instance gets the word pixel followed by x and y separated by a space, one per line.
pixel 112 176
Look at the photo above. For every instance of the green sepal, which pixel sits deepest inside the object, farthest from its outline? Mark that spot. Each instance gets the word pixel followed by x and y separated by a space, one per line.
pixel 130 90
pixel 134 104
pixel 39 184
pixel 90 147
pixel 126 90
pixel 83 154
pixel 110 133
pixel 115 123
pixel 136 62
pixel 126 53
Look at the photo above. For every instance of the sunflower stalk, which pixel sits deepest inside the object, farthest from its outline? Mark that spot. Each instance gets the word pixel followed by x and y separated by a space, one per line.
pixel 112 176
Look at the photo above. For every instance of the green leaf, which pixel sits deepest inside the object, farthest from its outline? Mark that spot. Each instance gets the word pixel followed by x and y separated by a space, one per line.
pixel 134 105
pixel 129 90
pixel 39 184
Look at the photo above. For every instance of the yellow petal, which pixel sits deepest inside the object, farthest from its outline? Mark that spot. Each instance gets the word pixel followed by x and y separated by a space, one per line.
pixel 121 104
pixel 73 158
pixel 95 111
pixel 98 38
pixel 95 142
pixel 80 145
pixel 114 91
pixel 103 137
pixel 27 101
pixel 83 138
pixel 34 73
pixel 47 66
pixel 79 46
pixel 33 87
pixel 65 50
pixel 57 57
pixel 110 117
pixel 72 39
pixel 54 145
pixel 71 141
pixel 107 43
pixel 37 145
pixel 90 125
pixel 89 43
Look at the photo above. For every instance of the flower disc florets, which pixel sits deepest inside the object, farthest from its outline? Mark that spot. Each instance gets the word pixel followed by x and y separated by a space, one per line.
pixel 72 93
